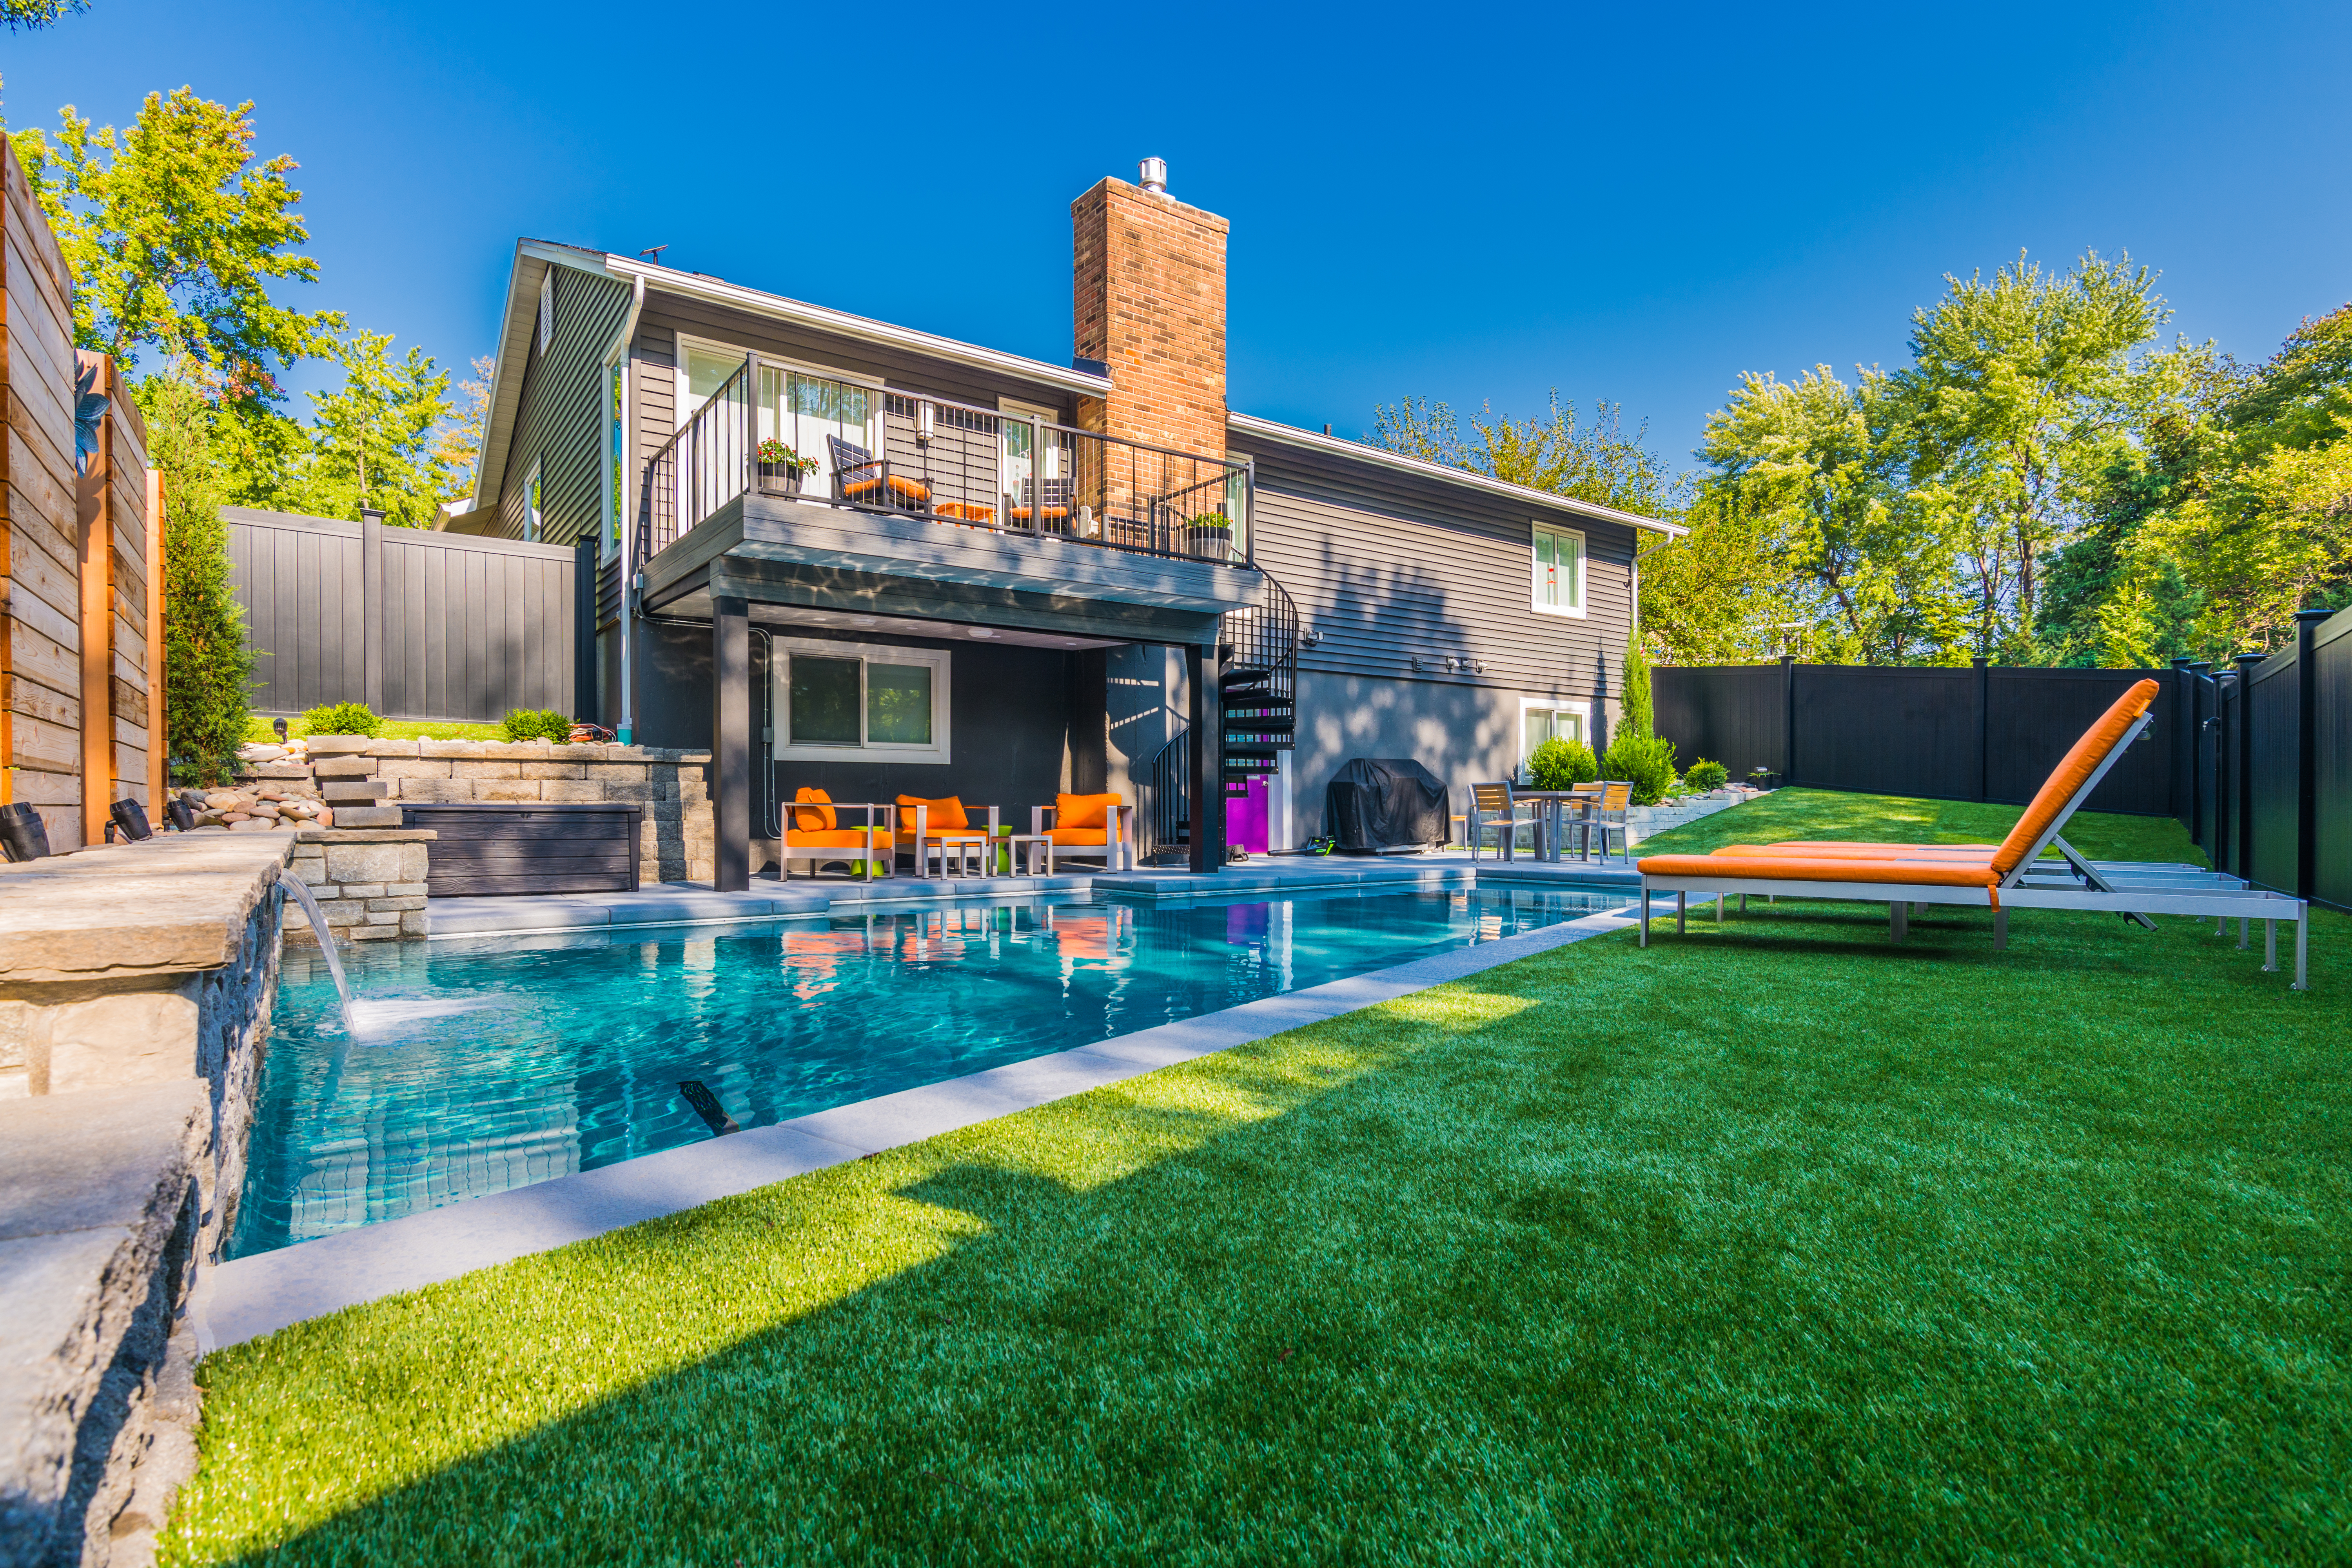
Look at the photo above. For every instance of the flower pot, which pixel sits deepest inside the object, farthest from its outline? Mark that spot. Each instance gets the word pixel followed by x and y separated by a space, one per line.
pixel 780 480
pixel 1209 543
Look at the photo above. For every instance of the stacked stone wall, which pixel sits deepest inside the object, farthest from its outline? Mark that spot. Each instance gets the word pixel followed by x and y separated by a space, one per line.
pixel 673 786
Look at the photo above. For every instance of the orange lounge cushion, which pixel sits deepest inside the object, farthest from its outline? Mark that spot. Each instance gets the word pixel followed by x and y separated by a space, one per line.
pixel 900 485
pixel 2077 766
pixel 942 815
pixel 1022 512
pixel 1094 837
pixel 812 818
pixel 1970 854
pixel 1083 810
pixel 835 838
pixel 1917 873
pixel 967 512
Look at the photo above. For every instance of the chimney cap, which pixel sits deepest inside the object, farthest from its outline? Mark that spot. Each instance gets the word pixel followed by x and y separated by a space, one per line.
pixel 1152 174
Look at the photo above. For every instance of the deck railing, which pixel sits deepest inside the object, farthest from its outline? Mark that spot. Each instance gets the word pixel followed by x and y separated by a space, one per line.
pixel 958 464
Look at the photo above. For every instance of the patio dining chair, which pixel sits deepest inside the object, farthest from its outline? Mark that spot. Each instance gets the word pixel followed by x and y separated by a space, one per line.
pixel 1491 811
pixel 1607 814
pixel 859 476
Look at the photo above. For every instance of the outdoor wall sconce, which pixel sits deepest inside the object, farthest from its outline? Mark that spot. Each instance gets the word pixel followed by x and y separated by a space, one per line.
pixel 1448 664
pixel 1309 639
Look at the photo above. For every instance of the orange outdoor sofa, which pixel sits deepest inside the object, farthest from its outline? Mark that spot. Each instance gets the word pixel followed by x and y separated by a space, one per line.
pixel 1998 876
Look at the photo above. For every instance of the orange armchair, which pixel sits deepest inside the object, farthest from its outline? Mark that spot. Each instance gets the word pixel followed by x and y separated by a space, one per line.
pixel 1088 824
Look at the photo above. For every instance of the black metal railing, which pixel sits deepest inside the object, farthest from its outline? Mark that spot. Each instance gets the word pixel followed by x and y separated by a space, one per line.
pixel 953 463
pixel 1258 716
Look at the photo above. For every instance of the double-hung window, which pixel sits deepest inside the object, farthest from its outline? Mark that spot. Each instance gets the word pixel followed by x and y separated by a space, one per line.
pixel 1558 586
pixel 1544 718
pixel 840 700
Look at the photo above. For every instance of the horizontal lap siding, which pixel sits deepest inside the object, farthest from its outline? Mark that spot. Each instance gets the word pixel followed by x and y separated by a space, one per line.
pixel 1385 566
pixel 560 420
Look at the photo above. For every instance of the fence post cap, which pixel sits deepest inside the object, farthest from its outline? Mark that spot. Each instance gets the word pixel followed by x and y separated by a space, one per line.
pixel 2313 617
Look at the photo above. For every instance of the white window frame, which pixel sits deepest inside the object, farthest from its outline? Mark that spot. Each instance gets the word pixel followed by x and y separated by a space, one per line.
pixel 612 460
pixel 1583 711
pixel 547 310
pixel 683 410
pixel 533 507
pixel 1534 569
pixel 942 666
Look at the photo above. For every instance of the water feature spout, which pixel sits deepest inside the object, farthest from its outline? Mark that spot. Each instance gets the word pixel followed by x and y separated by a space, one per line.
pixel 301 893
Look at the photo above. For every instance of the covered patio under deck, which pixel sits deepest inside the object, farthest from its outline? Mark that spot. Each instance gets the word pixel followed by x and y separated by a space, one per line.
pixel 975 657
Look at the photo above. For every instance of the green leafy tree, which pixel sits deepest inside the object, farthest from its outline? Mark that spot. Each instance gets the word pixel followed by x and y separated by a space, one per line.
pixel 207 667
pixel 1809 475
pixel 1597 462
pixel 176 236
pixel 376 440
pixel 22 14
pixel 2022 391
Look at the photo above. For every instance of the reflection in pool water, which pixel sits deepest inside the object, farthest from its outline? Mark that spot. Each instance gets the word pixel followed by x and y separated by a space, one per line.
pixel 486 1064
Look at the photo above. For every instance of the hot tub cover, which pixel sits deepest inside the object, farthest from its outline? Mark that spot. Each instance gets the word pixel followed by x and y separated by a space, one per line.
pixel 1386 804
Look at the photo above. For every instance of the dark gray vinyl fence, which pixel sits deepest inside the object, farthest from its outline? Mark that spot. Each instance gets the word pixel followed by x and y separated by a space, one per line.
pixel 2269 771
pixel 414 624
pixel 1978 733
pixel 2255 758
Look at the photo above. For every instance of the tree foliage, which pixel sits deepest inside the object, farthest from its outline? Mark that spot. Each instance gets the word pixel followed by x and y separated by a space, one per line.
pixel 207 668
pixel 175 235
pixel 1599 462
pixel 22 15
pixel 378 440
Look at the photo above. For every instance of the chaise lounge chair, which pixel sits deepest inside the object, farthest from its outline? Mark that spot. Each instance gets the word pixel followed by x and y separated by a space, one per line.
pixel 2001 877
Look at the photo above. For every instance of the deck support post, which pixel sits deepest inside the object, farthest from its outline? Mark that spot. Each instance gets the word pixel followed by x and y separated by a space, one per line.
pixel 731 744
pixel 1203 682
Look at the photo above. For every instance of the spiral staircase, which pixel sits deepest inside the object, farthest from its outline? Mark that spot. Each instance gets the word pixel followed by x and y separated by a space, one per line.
pixel 1257 667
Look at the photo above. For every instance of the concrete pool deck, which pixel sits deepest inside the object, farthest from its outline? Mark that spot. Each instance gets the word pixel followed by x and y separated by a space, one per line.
pixel 249 1297
pixel 693 903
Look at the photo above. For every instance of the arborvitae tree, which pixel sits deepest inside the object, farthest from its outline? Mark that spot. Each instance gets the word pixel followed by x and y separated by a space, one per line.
pixel 207 668
pixel 1638 720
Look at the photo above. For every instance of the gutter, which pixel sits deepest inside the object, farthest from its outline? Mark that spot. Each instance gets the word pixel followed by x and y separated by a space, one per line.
pixel 1334 446
pixel 695 286
pixel 618 508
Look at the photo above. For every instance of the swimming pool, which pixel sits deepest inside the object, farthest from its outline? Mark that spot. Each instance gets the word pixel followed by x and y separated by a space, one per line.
pixel 491 1063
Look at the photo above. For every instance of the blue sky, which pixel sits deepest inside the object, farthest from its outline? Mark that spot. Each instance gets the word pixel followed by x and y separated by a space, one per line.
pixel 1446 201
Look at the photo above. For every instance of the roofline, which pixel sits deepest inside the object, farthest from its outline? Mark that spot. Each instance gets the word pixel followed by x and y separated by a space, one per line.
pixel 865 328
pixel 1338 447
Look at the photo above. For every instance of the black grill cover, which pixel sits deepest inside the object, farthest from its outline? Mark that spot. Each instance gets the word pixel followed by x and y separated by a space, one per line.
pixel 1385 804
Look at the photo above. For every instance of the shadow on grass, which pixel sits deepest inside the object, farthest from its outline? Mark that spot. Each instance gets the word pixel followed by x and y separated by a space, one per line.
pixel 1534 1267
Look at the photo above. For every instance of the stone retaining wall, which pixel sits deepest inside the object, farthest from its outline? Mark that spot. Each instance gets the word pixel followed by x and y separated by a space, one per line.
pixel 369 881
pixel 672 785
pixel 135 983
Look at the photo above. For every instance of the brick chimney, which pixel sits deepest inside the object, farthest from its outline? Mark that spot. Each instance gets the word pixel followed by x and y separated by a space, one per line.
pixel 1148 297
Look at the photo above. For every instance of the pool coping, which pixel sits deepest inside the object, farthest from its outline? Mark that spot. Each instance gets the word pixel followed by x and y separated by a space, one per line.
pixel 694 903
pixel 247 1297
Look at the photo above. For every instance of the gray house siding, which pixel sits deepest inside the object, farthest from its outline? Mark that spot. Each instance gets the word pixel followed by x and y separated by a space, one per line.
pixel 562 415
pixel 1385 566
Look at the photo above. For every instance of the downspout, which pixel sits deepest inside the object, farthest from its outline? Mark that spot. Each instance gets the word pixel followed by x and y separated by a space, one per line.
pixel 626 729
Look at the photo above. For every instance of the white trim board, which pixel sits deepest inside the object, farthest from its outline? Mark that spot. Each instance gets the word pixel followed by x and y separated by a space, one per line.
pixel 249 1297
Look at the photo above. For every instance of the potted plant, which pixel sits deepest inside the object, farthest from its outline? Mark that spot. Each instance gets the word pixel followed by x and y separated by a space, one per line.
pixel 782 469
pixel 1209 537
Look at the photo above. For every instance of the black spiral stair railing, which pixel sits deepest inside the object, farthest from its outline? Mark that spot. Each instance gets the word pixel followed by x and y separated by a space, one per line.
pixel 1257 667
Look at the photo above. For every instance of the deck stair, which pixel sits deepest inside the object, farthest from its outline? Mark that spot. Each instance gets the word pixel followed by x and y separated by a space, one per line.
pixel 1258 666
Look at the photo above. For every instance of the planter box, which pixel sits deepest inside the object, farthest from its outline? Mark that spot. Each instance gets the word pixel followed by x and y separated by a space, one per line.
pixel 485 849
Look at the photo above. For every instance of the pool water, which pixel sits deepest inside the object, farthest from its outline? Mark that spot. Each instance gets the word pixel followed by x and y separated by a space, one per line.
pixel 489 1063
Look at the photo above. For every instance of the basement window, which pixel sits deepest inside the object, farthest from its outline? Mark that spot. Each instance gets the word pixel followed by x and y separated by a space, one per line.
pixel 841 701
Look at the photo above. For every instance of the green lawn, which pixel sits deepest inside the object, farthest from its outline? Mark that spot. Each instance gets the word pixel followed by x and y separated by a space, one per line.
pixel 1779 1245
pixel 394 730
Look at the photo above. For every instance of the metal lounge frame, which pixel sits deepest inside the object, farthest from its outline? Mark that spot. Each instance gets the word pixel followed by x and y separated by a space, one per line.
pixel 2026 887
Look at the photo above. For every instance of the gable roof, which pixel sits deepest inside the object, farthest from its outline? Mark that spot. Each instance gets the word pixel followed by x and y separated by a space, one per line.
pixel 534 256
pixel 1380 457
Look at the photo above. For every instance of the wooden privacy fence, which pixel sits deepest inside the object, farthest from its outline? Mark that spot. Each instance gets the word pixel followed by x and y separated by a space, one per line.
pixel 81 643
pixel 416 625
pixel 2266 774
pixel 1977 734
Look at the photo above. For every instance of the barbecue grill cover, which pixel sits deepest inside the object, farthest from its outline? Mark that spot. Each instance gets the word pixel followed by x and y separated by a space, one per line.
pixel 1385 804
